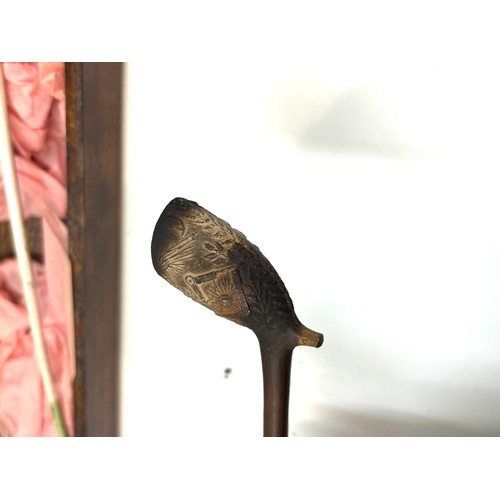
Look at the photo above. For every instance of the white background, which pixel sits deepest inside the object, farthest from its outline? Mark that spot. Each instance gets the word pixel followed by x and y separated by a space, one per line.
pixel 357 146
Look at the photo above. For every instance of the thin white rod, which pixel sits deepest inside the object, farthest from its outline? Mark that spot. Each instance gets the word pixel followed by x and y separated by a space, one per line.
pixel 12 195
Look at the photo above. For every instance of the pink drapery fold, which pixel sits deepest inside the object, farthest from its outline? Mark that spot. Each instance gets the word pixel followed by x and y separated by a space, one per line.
pixel 36 106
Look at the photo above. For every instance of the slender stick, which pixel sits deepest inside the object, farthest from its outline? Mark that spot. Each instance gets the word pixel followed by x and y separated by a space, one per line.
pixel 276 352
pixel 19 237
pixel 276 366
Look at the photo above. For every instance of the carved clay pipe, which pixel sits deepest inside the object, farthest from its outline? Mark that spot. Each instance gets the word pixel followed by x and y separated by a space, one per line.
pixel 215 265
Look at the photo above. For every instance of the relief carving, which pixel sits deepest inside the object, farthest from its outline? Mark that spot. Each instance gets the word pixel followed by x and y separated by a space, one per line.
pixel 215 265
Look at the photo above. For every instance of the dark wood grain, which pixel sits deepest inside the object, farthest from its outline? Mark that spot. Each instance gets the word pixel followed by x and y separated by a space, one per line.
pixel 94 117
pixel 33 230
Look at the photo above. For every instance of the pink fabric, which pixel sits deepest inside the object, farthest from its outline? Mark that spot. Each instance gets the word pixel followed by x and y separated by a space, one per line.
pixel 36 105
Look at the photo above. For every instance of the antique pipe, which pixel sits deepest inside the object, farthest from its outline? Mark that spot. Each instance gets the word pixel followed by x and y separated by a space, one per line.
pixel 216 265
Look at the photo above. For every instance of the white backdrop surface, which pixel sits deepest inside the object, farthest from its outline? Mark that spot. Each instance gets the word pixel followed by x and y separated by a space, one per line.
pixel 357 146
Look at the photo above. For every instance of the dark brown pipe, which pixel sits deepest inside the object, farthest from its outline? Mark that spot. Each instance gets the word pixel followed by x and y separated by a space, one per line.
pixel 215 265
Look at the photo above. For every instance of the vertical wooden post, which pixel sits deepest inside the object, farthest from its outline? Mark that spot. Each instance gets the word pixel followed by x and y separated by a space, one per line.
pixel 94 126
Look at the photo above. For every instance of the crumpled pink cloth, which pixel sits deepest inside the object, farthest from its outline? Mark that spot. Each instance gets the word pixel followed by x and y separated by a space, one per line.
pixel 36 106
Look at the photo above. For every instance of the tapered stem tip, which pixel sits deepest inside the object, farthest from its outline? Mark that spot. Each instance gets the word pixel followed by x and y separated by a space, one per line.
pixel 309 337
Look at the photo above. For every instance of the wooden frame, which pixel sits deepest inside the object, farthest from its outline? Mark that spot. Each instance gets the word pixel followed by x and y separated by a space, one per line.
pixel 94 117
pixel 93 120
